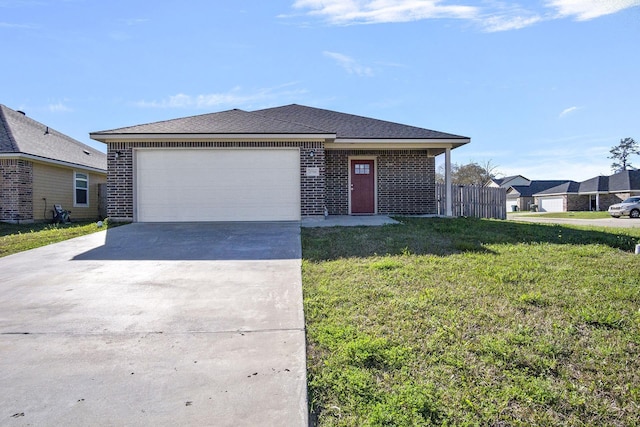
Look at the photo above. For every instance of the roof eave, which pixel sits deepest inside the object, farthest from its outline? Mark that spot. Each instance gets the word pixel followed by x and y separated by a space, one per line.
pixel 123 137
pixel 378 143
pixel 51 161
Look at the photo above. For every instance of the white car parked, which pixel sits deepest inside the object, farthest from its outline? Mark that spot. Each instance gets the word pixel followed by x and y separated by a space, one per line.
pixel 630 207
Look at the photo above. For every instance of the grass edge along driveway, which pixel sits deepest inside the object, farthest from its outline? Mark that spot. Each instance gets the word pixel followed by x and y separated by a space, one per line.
pixel 16 238
pixel 466 321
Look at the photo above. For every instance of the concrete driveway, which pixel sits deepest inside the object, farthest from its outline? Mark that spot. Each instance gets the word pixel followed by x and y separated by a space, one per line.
pixel 156 324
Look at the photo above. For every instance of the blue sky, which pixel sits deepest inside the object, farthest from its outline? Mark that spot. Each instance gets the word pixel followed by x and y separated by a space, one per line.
pixel 543 88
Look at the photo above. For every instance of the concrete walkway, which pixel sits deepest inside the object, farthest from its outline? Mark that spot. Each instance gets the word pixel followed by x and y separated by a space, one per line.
pixel 347 221
pixel 155 324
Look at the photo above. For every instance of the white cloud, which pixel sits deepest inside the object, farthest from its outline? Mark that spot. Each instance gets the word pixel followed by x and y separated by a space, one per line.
pixel 491 16
pixel 567 111
pixel 134 21
pixel 58 107
pixel 349 64
pixel 584 10
pixel 379 11
pixel 235 98
pixel 497 23
pixel 17 26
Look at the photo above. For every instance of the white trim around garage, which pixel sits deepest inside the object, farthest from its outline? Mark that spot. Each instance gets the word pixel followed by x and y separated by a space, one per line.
pixel 216 184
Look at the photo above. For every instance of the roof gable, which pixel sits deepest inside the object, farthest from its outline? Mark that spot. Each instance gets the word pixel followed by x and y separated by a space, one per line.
pixel 20 134
pixel 508 181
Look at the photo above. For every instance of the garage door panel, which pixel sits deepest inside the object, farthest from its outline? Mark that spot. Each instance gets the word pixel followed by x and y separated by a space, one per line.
pixel 218 185
pixel 551 204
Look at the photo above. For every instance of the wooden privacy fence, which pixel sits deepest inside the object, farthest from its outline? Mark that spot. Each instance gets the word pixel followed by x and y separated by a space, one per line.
pixel 474 201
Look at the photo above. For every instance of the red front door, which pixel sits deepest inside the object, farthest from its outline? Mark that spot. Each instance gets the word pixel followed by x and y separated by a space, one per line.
pixel 362 187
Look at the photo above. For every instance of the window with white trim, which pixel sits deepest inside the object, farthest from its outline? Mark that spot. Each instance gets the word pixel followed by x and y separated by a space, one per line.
pixel 81 189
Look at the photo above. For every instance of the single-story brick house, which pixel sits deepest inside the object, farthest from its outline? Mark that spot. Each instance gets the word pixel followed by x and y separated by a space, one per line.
pixel 40 167
pixel 281 163
pixel 521 196
pixel 594 194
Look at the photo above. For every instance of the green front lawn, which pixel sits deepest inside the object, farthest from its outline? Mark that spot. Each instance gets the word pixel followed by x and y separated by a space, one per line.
pixel 472 322
pixel 576 215
pixel 21 237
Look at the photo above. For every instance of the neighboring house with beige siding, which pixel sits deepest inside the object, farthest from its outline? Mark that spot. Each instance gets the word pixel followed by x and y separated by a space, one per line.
pixel 40 168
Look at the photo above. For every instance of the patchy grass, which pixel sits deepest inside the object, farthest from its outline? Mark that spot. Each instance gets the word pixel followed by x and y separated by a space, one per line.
pixel 472 322
pixel 16 238
pixel 576 215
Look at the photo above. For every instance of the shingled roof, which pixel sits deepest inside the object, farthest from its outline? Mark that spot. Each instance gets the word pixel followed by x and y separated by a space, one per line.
pixel 349 126
pixel 536 187
pixel 288 120
pixel 564 188
pixel 21 135
pixel 598 184
pixel 625 181
pixel 225 122
pixel 620 182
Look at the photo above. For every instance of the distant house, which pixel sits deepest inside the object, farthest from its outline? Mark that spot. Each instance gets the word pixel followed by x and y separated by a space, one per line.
pixel 40 167
pixel 595 194
pixel 508 181
pixel 520 197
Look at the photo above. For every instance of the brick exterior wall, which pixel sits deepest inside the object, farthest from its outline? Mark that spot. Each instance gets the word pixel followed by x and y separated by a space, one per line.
pixel 312 189
pixel 405 181
pixel 120 182
pixel 120 205
pixel 16 190
pixel 579 203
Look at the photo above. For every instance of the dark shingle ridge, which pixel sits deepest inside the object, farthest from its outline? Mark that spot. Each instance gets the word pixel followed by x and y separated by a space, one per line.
pixel 347 125
pixel 31 137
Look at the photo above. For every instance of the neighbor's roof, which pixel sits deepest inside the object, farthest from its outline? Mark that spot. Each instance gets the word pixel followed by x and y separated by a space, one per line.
pixel 564 188
pixel 625 181
pixel 620 182
pixel 291 119
pixel 23 136
pixel 536 187
pixel 505 180
pixel 598 184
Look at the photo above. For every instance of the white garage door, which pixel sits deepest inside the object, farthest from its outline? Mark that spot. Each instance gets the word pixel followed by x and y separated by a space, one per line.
pixel 217 185
pixel 551 204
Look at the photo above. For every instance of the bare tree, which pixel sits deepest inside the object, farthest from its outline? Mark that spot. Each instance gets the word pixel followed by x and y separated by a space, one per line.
pixel 469 174
pixel 621 153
